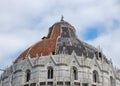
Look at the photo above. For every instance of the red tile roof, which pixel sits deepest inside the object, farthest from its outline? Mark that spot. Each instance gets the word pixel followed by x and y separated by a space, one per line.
pixel 44 47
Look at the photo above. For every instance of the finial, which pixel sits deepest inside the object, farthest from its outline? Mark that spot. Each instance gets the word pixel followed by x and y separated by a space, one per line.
pixel 62 18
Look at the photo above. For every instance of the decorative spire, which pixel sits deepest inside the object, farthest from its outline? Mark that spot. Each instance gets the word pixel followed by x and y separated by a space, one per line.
pixel 62 18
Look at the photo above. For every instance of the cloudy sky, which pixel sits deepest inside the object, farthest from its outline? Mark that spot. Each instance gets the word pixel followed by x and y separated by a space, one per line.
pixel 24 22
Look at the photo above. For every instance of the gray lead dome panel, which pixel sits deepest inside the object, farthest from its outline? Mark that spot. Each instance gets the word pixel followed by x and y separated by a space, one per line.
pixel 65 32
pixel 68 42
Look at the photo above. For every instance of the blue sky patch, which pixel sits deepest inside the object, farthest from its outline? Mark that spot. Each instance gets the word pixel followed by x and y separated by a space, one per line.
pixel 91 33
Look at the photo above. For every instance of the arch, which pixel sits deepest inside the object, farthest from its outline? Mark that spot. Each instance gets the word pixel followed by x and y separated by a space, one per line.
pixel 28 75
pixel 75 73
pixel 112 81
pixel 95 76
pixel 50 72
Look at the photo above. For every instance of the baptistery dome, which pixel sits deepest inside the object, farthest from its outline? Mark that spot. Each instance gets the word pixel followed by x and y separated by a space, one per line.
pixel 61 38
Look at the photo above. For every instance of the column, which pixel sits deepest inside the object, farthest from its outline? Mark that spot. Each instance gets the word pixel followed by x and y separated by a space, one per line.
pixel 81 84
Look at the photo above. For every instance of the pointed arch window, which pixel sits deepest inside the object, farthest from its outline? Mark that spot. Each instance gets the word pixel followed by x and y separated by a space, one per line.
pixel 50 73
pixel 95 76
pixel 28 74
pixel 75 73
pixel 112 81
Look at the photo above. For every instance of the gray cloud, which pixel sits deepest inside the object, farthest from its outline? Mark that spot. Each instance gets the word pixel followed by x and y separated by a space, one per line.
pixel 24 22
